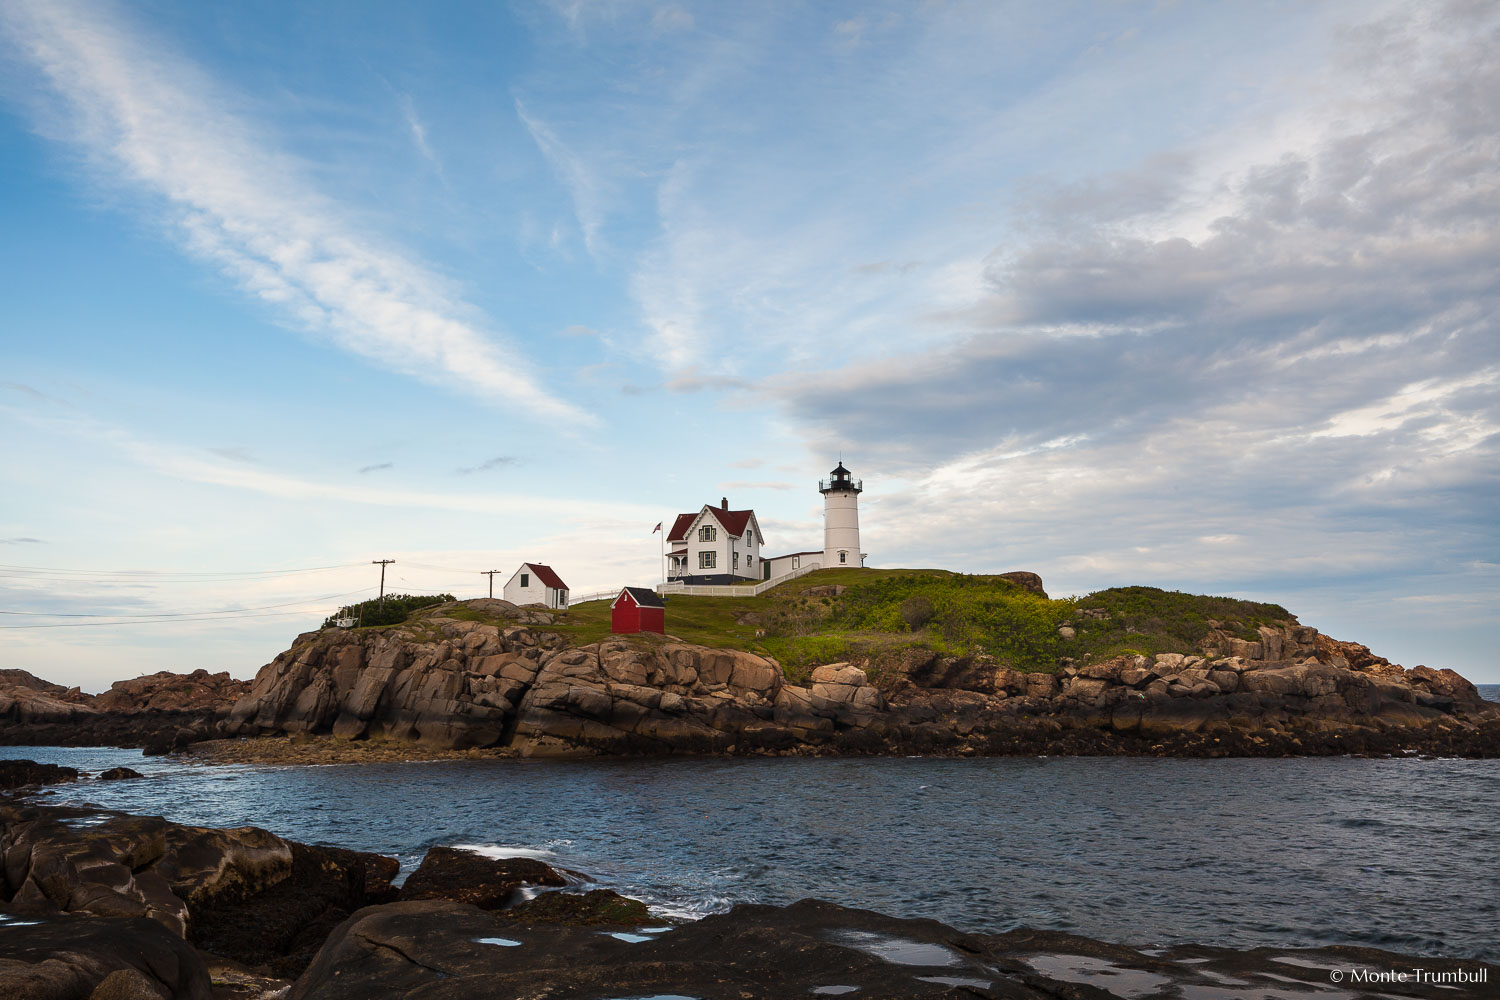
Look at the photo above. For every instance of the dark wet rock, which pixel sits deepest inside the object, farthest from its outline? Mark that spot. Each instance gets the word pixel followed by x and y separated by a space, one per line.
pixel 262 911
pixel 72 957
pixel 164 741
pixel 242 893
pixel 152 709
pixel 119 774
pixel 280 927
pixel 110 729
pixel 126 984
pixel 20 773
pixel 467 877
pixel 583 909
pixel 438 950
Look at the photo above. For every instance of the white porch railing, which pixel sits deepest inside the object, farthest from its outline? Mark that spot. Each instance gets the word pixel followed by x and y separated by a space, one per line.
pixel 732 590
pixel 602 595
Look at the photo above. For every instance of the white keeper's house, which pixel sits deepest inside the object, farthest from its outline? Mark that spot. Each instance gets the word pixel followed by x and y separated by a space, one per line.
pixel 717 545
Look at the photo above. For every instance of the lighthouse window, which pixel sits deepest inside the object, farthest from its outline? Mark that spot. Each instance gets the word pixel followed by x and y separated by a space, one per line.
pixel 707 560
pixel 843 557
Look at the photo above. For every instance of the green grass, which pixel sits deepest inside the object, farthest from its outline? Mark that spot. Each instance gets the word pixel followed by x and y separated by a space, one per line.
pixel 970 614
pixel 708 621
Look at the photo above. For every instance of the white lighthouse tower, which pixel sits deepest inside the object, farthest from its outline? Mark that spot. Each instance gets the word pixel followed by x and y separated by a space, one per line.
pixel 841 519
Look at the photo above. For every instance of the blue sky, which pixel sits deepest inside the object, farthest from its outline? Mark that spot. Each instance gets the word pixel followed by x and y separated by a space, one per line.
pixel 1194 295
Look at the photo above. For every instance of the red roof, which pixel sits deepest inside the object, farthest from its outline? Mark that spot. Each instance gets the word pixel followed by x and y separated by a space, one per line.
pixel 547 576
pixel 734 522
pixel 680 527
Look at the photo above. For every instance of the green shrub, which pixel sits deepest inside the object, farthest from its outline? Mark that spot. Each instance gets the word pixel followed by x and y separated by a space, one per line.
pixel 917 611
pixel 393 610
pixel 1149 620
pixel 963 615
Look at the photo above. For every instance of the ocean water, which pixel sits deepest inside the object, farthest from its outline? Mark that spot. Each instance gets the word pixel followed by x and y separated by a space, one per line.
pixel 1391 853
pixel 1489 692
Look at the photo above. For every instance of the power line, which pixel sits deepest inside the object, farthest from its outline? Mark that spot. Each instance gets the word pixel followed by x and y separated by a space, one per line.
pixel 11 570
pixel 163 621
pixel 186 614
pixel 445 569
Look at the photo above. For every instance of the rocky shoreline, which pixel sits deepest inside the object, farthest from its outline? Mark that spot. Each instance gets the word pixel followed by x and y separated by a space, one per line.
pixel 101 905
pixel 158 712
pixel 485 675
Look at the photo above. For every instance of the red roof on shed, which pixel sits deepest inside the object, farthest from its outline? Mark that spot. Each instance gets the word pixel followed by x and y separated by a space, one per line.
pixel 547 576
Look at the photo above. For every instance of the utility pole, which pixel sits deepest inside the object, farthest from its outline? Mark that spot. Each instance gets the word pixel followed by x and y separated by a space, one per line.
pixel 382 563
pixel 491 574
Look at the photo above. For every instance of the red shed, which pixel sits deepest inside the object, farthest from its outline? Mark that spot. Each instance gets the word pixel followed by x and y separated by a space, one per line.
pixel 638 610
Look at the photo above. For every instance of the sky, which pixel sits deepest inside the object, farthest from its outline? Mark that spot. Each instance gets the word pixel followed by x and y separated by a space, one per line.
pixel 1199 296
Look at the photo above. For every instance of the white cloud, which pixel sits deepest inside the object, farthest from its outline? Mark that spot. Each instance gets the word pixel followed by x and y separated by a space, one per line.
pixel 418 130
pixel 586 187
pixel 157 124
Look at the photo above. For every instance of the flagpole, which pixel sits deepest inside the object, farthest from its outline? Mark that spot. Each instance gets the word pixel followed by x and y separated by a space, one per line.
pixel 660 525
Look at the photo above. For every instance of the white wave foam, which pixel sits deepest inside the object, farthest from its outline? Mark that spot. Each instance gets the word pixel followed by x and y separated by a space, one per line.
pixel 499 851
pixel 690 909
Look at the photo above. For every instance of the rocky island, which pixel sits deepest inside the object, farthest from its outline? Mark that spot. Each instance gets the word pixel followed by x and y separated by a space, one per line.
pixel 901 662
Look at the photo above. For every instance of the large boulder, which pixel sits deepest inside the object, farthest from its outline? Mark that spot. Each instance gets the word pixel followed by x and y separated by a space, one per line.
pixel 28 700
pixel 244 893
pixel 90 958
pixel 20 773
pixel 467 877
pixel 199 691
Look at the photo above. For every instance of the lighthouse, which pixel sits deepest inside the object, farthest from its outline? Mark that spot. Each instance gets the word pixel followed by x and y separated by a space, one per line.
pixel 841 519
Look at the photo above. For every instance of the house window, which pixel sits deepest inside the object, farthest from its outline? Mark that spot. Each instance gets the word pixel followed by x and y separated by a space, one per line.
pixel 707 533
pixel 707 560
pixel 525 580
pixel 736 560
pixel 796 562
pixel 843 557
pixel 749 560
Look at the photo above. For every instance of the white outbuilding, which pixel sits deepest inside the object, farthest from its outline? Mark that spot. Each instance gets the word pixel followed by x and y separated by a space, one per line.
pixel 536 583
